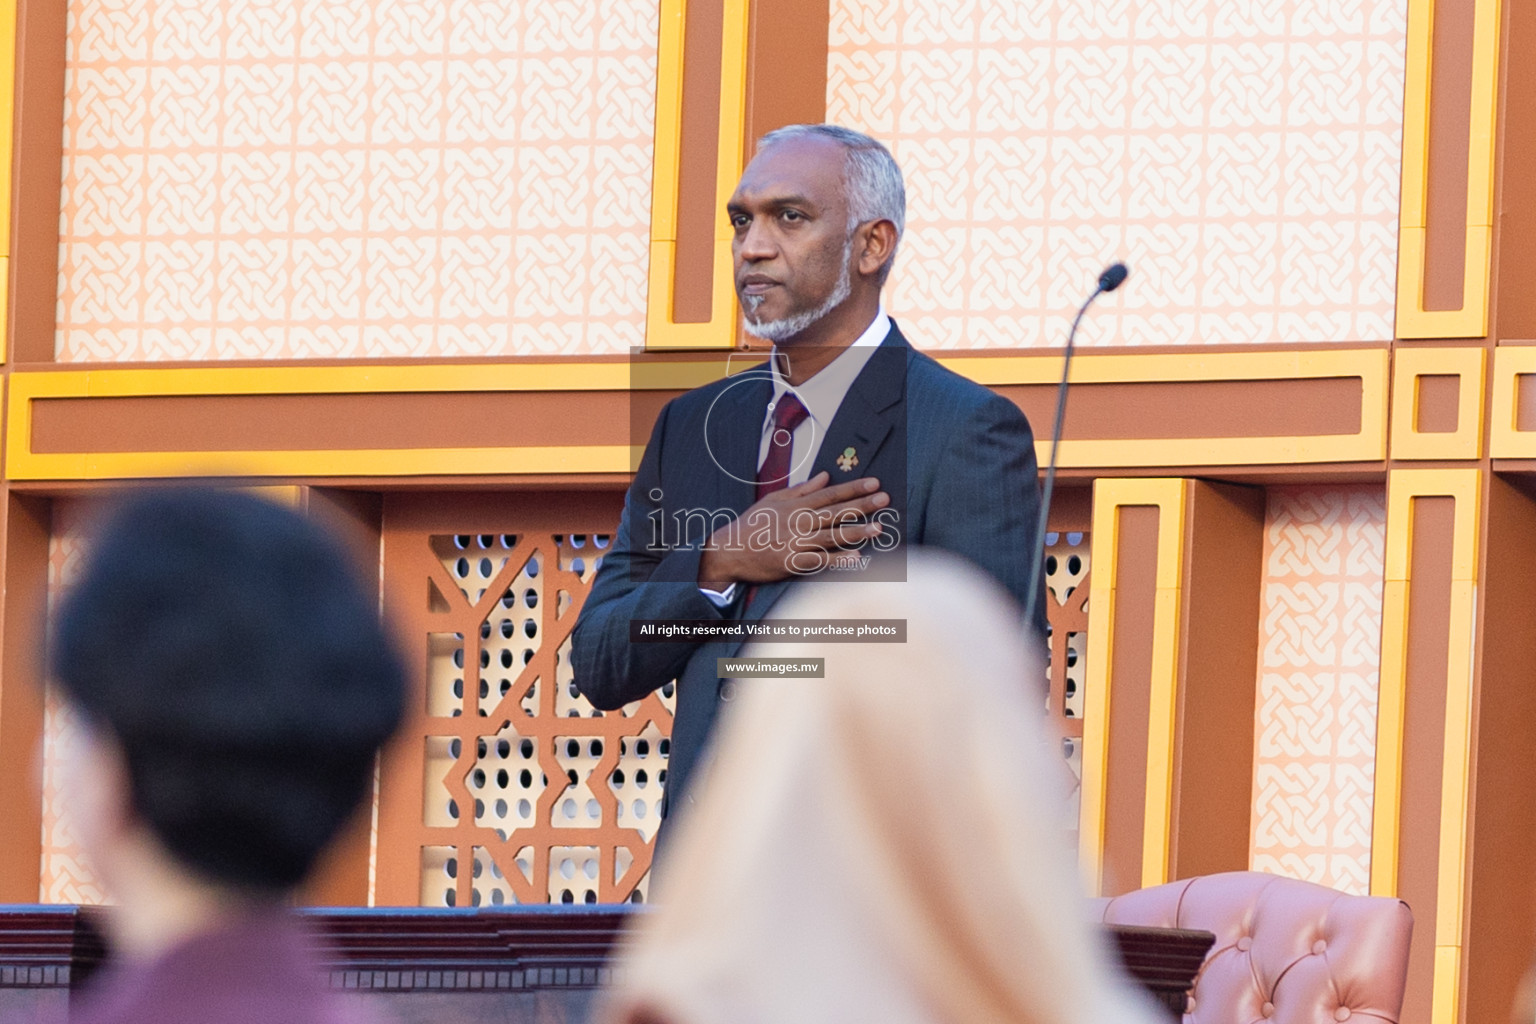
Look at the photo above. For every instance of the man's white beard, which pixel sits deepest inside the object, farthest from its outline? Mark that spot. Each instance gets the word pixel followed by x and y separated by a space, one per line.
pixel 782 330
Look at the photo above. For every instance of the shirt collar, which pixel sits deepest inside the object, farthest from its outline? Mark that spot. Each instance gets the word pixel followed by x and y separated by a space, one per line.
pixel 823 393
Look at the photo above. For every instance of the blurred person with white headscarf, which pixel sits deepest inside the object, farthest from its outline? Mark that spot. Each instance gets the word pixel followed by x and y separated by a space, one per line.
pixel 882 844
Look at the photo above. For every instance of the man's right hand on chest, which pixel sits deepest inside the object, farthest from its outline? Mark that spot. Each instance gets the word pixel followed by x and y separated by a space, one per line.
pixel 787 532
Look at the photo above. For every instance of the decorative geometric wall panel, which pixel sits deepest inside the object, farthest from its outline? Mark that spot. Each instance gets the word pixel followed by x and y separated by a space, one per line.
pixel 340 178
pixel 66 877
pixel 1243 159
pixel 1320 655
pixel 530 794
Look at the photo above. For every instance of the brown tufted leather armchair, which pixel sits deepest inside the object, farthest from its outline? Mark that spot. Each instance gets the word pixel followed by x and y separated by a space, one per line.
pixel 1286 952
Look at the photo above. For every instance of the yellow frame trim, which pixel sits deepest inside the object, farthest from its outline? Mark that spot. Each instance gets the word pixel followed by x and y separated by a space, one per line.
pixel 1471 321
pixel 1171 497
pixel 401 462
pixel 1505 439
pixel 1468 365
pixel 1368 364
pixel 661 332
pixel 1403 486
pixel 361 378
pixel 26 388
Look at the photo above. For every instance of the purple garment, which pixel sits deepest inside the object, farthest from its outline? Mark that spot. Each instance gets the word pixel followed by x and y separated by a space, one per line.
pixel 259 969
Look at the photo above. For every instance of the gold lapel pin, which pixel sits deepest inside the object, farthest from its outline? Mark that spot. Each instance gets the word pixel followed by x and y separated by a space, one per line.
pixel 848 460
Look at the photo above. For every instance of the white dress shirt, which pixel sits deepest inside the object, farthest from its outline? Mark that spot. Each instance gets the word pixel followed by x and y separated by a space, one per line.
pixel 821 394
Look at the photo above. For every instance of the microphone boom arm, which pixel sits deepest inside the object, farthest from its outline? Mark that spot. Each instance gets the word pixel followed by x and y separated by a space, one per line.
pixel 1111 279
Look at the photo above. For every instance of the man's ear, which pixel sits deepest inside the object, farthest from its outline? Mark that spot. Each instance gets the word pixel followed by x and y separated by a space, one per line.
pixel 876 242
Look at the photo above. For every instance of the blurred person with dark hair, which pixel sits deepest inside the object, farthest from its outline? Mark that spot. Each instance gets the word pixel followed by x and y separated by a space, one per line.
pixel 233 684
pixel 887 843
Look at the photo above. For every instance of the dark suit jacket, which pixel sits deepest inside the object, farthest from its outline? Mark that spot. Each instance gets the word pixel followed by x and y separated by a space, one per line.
pixel 957 459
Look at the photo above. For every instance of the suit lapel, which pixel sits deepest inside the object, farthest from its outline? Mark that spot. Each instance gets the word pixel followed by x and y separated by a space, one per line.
pixel 864 420
pixel 733 432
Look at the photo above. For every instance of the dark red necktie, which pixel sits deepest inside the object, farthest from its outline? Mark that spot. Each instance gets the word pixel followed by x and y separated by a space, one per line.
pixel 773 475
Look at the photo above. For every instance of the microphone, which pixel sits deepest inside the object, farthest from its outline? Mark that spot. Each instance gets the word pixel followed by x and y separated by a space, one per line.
pixel 1113 277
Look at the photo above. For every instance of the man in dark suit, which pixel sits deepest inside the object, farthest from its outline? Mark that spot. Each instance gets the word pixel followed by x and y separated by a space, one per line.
pixel 849 443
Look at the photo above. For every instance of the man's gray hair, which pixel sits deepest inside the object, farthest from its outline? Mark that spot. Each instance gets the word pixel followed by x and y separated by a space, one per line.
pixel 871 178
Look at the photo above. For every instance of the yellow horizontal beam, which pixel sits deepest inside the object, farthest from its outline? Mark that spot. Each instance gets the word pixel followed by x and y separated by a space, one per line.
pixel 1142 453
pixel 109 382
pixel 408 462
pixel 30 386
pixel 1370 365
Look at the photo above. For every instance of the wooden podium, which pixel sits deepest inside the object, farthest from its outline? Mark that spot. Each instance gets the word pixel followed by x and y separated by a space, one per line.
pixel 529 962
